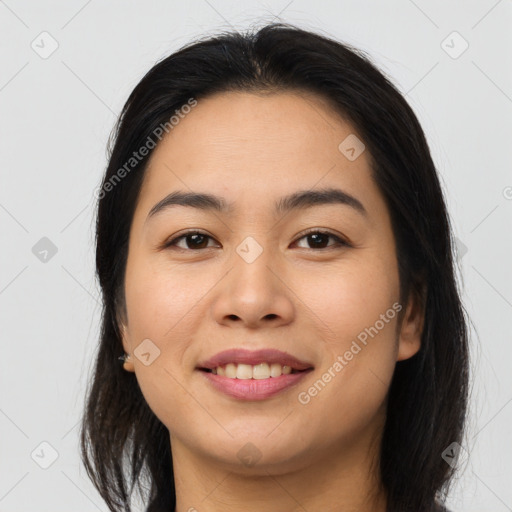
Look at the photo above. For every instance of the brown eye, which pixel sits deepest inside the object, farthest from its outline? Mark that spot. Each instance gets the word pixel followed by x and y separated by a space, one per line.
pixel 319 240
pixel 197 240
pixel 193 240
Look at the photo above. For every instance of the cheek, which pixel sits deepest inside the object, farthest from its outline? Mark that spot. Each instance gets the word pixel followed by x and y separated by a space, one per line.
pixel 161 301
pixel 356 311
pixel 343 300
pixel 162 307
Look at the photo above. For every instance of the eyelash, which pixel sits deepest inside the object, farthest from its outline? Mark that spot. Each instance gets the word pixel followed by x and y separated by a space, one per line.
pixel 339 241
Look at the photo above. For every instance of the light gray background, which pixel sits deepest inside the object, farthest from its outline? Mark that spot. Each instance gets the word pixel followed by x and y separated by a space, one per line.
pixel 56 115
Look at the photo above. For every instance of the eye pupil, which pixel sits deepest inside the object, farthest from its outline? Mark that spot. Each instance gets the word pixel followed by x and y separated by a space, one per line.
pixel 316 236
pixel 195 237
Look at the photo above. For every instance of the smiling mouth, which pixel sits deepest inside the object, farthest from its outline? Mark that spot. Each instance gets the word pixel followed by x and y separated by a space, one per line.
pixel 257 372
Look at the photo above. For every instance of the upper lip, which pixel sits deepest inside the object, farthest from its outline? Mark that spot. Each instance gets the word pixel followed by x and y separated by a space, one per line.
pixel 253 357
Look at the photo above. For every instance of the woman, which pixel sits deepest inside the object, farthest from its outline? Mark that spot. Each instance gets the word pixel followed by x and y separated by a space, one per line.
pixel 276 262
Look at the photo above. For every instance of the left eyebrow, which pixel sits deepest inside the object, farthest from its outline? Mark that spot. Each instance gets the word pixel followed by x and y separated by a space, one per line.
pixel 298 200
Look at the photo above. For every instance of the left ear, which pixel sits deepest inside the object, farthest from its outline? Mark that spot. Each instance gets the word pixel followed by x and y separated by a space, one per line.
pixel 411 329
pixel 128 362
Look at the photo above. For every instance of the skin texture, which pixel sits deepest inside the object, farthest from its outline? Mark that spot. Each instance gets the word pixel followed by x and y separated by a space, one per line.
pixel 311 302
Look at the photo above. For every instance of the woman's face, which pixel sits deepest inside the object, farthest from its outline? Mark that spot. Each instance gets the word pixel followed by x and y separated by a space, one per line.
pixel 255 279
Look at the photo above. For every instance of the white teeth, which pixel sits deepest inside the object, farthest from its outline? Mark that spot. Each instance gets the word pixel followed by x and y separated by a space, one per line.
pixel 275 370
pixel 261 371
pixel 244 371
pixel 247 371
pixel 230 371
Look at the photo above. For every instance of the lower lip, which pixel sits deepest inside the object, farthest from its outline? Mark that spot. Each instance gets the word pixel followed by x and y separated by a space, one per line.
pixel 254 389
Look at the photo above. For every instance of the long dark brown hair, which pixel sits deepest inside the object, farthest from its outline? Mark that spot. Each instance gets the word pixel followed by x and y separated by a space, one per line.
pixel 123 444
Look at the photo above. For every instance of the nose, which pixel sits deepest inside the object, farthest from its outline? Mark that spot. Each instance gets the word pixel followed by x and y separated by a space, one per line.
pixel 254 293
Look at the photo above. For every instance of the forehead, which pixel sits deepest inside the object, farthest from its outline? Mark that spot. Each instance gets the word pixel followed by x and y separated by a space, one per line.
pixel 286 123
pixel 247 146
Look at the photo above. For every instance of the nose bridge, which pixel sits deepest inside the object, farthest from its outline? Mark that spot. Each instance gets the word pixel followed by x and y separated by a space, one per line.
pixel 252 262
pixel 252 291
